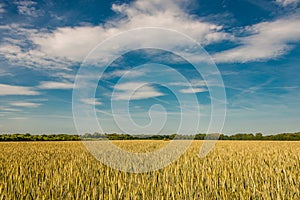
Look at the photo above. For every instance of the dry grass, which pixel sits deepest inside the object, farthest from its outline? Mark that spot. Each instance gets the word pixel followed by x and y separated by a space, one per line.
pixel 233 170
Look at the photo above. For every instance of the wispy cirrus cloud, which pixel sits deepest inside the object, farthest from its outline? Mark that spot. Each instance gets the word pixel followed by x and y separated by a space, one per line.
pixel 264 41
pixel 6 89
pixel 25 104
pixel 285 3
pixel 195 86
pixel 3 72
pixel 6 109
pixel 135 91
pixel 18 49
pixel 18 55
pixel 48 85
pixel 92 101
pixel 130 73
pixel 192 90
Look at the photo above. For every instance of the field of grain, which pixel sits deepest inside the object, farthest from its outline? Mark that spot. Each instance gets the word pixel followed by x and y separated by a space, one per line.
pixel 233 170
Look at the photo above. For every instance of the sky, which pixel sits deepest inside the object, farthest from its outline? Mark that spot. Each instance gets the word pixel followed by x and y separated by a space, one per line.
pixel 51 51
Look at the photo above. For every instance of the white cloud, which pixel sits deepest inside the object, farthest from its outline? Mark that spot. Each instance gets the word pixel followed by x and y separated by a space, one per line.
pixel 27 8
pixel 285 3
pixel 33 58
pixel 73 43
pixel 267 40
pixel 192 90
pixel 63 46
pixel 22 51
pixel 135 91
pixel 92 101
pixel 7 109
pixel 16 90
pixel 167 14
pixel 55 85
pixel 26 104
pixel 195 86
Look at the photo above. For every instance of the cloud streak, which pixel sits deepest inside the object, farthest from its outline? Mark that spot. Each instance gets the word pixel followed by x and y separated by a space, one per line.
pixel 192 90
pixel 6 89
pixel 25 104
pixel 92 101
pixel 49 85
pixel 135 91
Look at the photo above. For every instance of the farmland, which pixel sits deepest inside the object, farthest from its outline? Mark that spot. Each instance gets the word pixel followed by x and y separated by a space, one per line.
pixel 232 170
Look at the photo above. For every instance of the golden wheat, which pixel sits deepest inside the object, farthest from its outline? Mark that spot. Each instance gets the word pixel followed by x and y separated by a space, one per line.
pixel 233 170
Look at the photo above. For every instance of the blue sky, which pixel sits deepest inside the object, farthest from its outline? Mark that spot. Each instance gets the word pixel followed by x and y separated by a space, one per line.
pixel 255 45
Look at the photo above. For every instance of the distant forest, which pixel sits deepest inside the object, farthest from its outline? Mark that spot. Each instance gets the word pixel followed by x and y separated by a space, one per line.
pixel 115 136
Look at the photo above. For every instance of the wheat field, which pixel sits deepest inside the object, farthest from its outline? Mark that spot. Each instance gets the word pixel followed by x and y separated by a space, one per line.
pixel 232 170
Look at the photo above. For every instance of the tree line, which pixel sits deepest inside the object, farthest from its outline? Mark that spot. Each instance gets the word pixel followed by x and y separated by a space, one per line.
pixel 29 137
pixel 116 136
